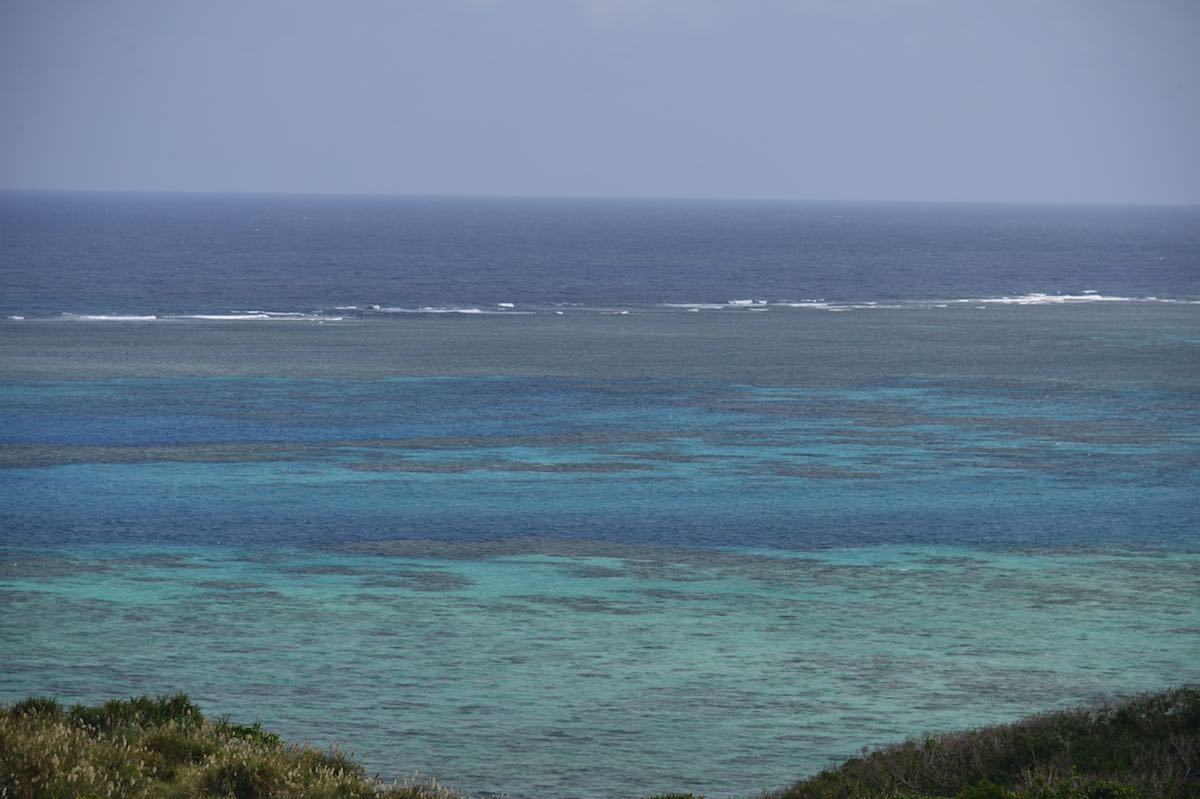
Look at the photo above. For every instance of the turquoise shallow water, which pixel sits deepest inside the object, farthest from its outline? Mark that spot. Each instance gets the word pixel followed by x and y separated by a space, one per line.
pixel 605 556
pixel 537 668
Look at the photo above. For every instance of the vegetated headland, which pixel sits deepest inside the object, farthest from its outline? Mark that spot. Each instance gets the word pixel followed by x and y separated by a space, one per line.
pixel 163 747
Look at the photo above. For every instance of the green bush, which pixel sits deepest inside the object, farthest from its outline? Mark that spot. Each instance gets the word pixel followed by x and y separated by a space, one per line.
pixel 163 748
pixel 986 790
pixel 141 711
pixel 1143 747
pixel 36 706
pixel 250 732
pixel 1110 789
pixel 241 777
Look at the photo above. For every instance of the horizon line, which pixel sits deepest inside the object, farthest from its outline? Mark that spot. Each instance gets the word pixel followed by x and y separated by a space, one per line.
pixel 597 197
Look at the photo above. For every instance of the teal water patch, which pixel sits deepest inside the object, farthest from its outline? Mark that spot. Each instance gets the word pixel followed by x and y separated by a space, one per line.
pixel 705 552
pixel 691 462
pixel 553 668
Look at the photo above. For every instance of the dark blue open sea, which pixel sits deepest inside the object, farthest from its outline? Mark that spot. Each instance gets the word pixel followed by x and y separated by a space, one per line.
pixel 597 498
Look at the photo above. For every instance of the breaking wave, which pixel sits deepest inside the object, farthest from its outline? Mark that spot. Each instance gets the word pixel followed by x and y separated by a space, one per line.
pixel 343 313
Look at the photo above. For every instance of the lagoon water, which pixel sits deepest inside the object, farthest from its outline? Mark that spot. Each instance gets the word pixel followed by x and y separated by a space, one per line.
pixel 559 499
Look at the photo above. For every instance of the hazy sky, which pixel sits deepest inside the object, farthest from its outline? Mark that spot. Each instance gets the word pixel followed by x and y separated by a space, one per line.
pixel 1041 100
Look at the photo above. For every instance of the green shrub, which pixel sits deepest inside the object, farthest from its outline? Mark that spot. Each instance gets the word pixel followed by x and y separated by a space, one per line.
pixel 170 748
pixel 1138 748
pixel 986 790
pixel 332 760
pixel 36 706
pixel 1110 789
pixel 249 732
pixel 241 778
pixel 162 748
pixel 418 788
pixel 140 711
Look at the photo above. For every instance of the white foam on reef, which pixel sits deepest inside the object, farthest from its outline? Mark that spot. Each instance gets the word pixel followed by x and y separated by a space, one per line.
pixel 225 317
pixel 255 316
pixel 430 309
pixel 750 305
pixel 278 314
pixel 1086 296
pixel 341 313
pixel 1038 298
pixel 502 309
pixel 109 317
pixel 835 307
pixel 816 305
pixel 234 316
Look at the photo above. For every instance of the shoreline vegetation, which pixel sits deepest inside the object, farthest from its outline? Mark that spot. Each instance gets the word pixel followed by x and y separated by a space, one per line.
pixel 1147 747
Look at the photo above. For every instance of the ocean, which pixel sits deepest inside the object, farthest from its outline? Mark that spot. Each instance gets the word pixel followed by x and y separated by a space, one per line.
pixel 566 498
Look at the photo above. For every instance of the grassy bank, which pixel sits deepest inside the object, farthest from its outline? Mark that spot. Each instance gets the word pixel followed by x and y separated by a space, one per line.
pixel 1147 748
pixel 163 747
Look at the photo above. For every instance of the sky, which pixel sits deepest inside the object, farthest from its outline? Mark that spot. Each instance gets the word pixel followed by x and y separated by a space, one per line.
pixel 888 100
